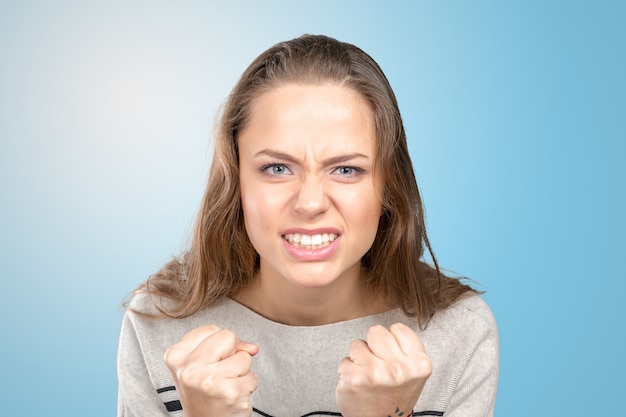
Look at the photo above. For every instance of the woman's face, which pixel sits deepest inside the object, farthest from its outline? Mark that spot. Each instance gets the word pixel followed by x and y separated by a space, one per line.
pixel 310 199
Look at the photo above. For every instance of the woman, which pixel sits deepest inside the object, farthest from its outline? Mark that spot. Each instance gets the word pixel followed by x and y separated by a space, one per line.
pixel 305 291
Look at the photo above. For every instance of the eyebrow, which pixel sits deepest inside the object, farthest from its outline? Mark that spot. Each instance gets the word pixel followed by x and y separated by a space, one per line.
pixel 330 161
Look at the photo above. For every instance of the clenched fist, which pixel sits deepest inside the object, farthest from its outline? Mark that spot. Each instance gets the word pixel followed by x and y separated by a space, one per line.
pixel 211 371
pixel 383 376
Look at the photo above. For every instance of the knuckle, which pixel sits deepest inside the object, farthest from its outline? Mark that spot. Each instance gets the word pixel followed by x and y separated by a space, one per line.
pixel 245 359
pixel 421 367
pixel 173 357
pixel 188 376
pixel 399 327
pixel 396 326
pixel 254 381
pixel 425 365
pixel 390 375
pixel 377 376
pixel 344 366
pixel 397 372
pixel 375 331
pixel 235 397
pixel 228 336
pixel 212 328
pixel 357 344
pixel 230 395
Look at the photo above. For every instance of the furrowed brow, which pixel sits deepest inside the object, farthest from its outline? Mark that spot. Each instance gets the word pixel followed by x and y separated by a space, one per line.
pixel 345 158
pixel 329 161
pixel 275 154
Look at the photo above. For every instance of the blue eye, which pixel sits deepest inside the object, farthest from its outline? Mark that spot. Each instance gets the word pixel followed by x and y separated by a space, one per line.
pixel 276 169
pixel 348 171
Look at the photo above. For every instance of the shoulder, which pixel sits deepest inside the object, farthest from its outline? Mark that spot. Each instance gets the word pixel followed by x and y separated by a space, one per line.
pixel 145 318
pixel 470 310
pixel 144 315
pixel 147 324
pixel 465 326
pixel 146 337
pixel 462 342
pixel 144 303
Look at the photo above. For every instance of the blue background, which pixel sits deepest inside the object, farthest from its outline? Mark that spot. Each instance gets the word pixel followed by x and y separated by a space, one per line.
pixel 515 113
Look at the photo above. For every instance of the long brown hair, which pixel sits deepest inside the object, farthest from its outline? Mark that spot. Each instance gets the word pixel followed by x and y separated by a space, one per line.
pixel 221 258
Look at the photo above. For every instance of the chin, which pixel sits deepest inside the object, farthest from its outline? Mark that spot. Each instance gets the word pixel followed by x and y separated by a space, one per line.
pixel 314 279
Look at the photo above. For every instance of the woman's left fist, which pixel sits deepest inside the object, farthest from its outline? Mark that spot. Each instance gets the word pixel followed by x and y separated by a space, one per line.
pixel 383 376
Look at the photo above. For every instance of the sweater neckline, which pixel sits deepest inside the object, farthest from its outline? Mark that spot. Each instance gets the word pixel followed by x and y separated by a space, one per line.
pixel 395 313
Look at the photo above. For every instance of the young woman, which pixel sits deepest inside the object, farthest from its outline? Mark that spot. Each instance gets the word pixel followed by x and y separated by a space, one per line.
pixel 305 291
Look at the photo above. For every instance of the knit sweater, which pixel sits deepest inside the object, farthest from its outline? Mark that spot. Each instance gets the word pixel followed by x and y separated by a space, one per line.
pixel 297 365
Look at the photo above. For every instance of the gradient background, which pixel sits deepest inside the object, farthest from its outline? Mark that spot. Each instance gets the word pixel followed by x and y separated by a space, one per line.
pixel 516 120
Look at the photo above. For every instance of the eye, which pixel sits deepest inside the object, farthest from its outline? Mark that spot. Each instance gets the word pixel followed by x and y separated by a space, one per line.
pixel 276 169
pixel 348 171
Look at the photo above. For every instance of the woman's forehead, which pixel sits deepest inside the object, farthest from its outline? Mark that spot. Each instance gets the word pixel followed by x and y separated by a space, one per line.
pixel 302 118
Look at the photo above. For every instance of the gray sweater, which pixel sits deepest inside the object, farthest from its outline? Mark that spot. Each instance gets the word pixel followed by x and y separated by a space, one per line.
pixel 297 366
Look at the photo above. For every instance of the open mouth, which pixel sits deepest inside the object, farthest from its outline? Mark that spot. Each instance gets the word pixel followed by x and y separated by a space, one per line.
pixel 310 241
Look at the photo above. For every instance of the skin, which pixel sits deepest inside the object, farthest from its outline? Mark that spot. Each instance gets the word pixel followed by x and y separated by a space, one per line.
pixel 383 376
pixel 211 371
pixel 306 163
pixel 306 166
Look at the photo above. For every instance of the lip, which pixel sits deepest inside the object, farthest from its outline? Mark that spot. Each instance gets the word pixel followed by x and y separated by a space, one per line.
pixel 308 254
pixel 320 230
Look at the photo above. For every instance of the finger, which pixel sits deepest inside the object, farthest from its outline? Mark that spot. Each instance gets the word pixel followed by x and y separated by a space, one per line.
pixel 240 389
pixel 237 365
pixel 345 366
pixel 383 344
pixel 353 374
pixel 194 337
pixel 408 341
pixel 359 353
pixel 218 346
pixel 250 348
pixel 249 382
pixel 412 345
pixel 232 392
pixel 345 370
pixel 176 354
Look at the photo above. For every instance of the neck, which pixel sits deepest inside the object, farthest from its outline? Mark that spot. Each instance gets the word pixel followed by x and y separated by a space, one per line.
pixel 304 306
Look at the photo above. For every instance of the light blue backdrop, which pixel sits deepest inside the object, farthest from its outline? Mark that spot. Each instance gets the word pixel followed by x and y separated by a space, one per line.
pixel 516 119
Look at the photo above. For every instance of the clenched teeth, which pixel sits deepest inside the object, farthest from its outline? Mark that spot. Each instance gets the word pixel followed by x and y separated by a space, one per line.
pixel 310 241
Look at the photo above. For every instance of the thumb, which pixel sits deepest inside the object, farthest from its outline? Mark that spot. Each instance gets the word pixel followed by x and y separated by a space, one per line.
pixel 250 348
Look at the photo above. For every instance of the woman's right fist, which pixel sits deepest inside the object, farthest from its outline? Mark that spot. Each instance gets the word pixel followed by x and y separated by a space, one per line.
pixel 211 371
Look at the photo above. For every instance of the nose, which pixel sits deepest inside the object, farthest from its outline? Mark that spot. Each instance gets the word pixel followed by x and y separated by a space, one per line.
pixel 311 199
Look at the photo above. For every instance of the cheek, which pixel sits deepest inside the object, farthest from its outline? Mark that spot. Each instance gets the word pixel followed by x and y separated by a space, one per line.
pixel 251 208
pixel 258 213
pixel 363 205
pixel 369 215
pixel 370 220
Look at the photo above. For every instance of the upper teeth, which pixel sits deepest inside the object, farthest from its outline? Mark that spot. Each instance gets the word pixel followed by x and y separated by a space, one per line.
pixel 299 239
